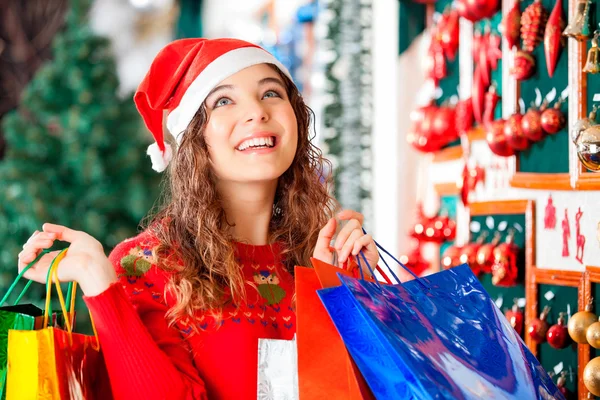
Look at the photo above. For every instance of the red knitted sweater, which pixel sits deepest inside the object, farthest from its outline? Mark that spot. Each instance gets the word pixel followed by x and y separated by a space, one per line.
pixel 147 359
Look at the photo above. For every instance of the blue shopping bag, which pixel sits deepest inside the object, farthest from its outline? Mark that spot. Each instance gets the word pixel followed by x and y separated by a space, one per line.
pixel 437 337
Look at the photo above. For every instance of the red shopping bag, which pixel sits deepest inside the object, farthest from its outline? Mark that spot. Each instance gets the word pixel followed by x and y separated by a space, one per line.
pixel 325 369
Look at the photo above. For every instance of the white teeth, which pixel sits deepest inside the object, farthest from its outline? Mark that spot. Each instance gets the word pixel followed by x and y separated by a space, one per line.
pixel 256 142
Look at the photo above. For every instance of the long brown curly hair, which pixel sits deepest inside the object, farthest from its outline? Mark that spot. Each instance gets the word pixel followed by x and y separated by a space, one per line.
pixel 191 227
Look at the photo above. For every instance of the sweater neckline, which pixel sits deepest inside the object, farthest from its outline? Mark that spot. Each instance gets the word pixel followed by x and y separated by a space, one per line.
pixel 269 253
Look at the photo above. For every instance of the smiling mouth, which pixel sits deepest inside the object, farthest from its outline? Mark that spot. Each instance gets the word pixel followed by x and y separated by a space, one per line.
pixel 258 143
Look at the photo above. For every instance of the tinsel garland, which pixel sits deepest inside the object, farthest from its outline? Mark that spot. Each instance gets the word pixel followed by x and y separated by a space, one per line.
pixel 348 105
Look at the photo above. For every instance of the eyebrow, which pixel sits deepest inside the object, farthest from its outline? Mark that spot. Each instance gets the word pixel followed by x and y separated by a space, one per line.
pixel 261 82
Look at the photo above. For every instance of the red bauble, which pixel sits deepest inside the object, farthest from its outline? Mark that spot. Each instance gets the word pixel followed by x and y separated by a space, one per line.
pixel 558 334
pixel 538 328
pixel 443 125
pixel 515 317
pixel 504 269
pixel 449 34
pixel 478 95
pixel 514 133
pixel 415 261
pixel 497 140
pixel 485 254
pixel 421 135
pixel 451 257
pixel 553 119
pixel 474 10
pixel 512 25
pixel 464 116
pixel 524 66
pixel 418 231
pixel 531 124
pixel 468 254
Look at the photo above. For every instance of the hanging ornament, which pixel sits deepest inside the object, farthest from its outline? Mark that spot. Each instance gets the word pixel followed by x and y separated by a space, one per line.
pixel 515 317
pixel 592 66
pixel 553 40
pixel 443 125
pixel 485 254
pixel 414 260
pixel 468 253
pixel 588 148
pixel 483 61
pixel 464 116
pixel 418 231
pixel 579 27
pixel 449 34
pixel 553 119
pixel 470 177
pixel 496 139
pixel 531 124
pixel 592 335
pixel 538 327
pixel 514 133
pixel 533 23
pixel 440 229
pixel 582 125
pixel 523 66
pixel 511 25
pixel 494 52
pixel 579 323
pixel 474 10
pixel 561 384
pixel 591 376
pixel 451 257
pixel 504 268
pixel 477 36
pixel 558 334
pixel 478 95
pixel 420 134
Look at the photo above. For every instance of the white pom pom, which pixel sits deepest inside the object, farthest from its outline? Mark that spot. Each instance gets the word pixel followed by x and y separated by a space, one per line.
pixel 160 160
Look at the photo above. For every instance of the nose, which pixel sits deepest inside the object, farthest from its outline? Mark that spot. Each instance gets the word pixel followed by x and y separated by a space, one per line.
pixel 257 112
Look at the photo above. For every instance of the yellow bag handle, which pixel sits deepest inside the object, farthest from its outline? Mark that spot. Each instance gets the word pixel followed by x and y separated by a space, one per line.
pixel 53 275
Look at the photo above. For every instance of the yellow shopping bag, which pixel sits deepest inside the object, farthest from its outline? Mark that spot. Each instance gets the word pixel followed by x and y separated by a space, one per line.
pixel 52 363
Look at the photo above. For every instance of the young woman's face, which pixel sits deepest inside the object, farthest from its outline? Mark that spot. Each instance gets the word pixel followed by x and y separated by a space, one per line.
pixel 252 133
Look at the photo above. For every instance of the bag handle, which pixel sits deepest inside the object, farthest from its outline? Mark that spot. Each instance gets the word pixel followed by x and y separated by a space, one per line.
pixel 18 278
pixel 53 275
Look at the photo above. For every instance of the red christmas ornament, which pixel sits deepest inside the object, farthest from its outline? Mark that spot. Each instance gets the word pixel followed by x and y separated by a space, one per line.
pixel 504 268
pixel 421 135
pixel 558 334
pixel 469 180
pixel 474 10
pixel 514 133
pixel 483 60
pixel 538 328
pixel 553 119
pixel 531 124
pixel 414 260
pixel 553 38
pixel 443 125
pixel 533 22
pixel 494 50
pixel 418 231
pixel 440 229
pixel 451 257
pixel 477 37
pixel 468 254
pixel 464 116
pixel 524 66
pixel 491 100
pixel 515 317
pixel 449 34
pixel 478 95
pixel 497 140
pixel 512 25
pixel 485 254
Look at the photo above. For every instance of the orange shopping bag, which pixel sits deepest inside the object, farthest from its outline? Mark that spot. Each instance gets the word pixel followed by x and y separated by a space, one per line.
pixel 325 369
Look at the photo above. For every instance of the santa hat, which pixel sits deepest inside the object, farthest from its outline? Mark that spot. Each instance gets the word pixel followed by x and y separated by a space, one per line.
pixel 181 76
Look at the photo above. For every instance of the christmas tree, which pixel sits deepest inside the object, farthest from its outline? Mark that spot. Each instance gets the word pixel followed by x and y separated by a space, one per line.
pixel 75 151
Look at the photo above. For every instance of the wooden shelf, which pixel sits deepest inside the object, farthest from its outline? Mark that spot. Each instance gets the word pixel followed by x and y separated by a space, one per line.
pixel 528 180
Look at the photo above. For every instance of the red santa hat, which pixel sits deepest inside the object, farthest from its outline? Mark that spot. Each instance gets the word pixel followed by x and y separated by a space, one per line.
pixel 180 78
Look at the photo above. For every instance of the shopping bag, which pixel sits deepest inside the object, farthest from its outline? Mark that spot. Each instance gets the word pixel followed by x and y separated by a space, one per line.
pixel 52 363
pixel 277 369
pixel 439 337
pixel 325 370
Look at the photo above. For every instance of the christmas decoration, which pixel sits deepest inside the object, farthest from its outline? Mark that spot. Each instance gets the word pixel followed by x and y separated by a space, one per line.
pixel 588 148
pixel 579 27
pixel 448 33
pixel 494 50
pixel 443 125
pixel 482 58
pixel 511 25
pixel 531 124
pixel 592 65
pixel 414 260
pixel 579 323
pixel 538 327
pixel 558 334
pixel 553 40
pixel 451 257
pixel 524 66
pixel 497 140
pixel 580 239
pixel 592 335
pixel 439 229
pixel 485 254
pixel 591 376
pixel 470 177
pixel 478 96
pixel 75 152
pixel 464 117
pixel 553 119
pixel 582 125
pixel 550 215
pixel 514 133
pixel 515 317
pixel 566 234
pixel 475 10
pixel 418 231
pixel 477 37
pixel 533 22
pixel 468 254
pixel 561 384
pixel 504 268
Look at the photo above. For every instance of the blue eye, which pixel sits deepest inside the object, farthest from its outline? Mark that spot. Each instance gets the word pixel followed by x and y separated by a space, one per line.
pixel 271 93
pixel 223 101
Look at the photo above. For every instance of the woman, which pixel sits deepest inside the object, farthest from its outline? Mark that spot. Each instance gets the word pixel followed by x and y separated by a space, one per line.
pixel 179 309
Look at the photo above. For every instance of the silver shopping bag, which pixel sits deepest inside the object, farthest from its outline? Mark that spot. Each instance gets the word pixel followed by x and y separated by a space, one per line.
pixel 277 369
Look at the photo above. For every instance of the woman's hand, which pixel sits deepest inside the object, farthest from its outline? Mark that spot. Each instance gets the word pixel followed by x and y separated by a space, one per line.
pixel 349 241
pixel 85 261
